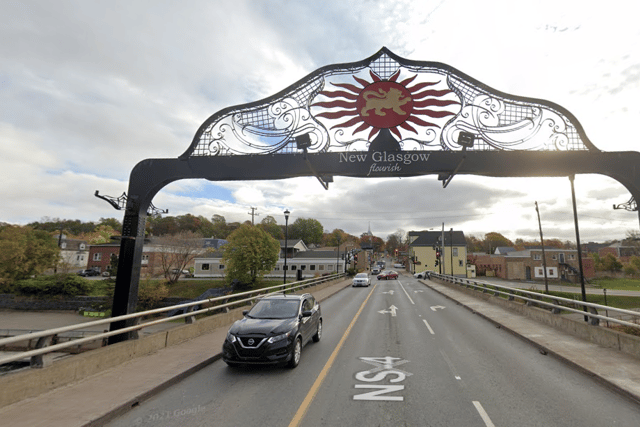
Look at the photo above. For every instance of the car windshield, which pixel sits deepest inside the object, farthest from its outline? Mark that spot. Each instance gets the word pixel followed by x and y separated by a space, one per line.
pixel 361 275
pixel 275 309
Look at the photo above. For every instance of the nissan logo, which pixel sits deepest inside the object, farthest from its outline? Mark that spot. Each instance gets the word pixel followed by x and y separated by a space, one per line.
pixel 250 342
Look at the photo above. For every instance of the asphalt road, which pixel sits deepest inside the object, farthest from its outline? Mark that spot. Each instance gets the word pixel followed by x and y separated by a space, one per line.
pixel 394 354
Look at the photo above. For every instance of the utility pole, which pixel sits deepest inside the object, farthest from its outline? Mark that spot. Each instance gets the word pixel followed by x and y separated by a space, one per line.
pixel 544 258
pixel 253 213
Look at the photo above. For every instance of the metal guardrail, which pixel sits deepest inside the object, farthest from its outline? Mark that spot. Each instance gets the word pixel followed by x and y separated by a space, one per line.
pixel 554 303
pixel 45 337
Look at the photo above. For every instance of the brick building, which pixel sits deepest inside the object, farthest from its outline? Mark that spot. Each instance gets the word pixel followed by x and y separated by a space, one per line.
pixel 562 264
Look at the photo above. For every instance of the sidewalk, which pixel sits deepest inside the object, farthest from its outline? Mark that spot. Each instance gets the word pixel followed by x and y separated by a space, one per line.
pixel 104 396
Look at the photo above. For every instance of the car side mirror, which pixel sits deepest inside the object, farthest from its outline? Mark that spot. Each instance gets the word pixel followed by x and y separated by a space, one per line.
pixel 244 312
pixel 306 313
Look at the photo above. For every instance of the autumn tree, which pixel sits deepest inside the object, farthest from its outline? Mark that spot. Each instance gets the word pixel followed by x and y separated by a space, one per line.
pixel 73 227
pixel 395 241
pixel 308 230
pixel 611 263
pixel 25 252
pixel 101 234
pixel 220 229
pixel 474 244
pixel 270 225
pixel 157 225
pixel 493 240
pixel 250 254
pixel 177 251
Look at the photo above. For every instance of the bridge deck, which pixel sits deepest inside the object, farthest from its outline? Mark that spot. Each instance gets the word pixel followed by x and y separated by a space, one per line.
pixel 104 396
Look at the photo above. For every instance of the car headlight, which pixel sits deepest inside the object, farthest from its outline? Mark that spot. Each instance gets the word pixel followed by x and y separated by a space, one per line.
pixel 231 338
pixel 277 338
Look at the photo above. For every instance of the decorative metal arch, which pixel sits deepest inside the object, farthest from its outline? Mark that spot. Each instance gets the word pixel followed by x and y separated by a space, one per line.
pixel 425 105
pixel 381 117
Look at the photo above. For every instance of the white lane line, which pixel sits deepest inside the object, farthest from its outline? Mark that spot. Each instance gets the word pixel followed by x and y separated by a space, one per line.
pixel 406 293
pixel 428 327
pixel 483 414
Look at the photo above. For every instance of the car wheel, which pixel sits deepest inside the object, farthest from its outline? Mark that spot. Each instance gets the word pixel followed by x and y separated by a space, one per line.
pixel 318 334
pixel 296 352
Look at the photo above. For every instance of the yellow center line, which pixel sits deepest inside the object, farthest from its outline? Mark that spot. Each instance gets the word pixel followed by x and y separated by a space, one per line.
pixel 297 418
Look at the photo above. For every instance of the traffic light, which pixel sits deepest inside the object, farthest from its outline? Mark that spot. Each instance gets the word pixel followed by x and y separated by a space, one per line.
pixel 436 263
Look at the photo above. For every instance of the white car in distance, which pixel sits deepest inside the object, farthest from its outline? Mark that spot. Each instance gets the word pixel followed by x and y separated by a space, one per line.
pixel 421 275
pixel 361 279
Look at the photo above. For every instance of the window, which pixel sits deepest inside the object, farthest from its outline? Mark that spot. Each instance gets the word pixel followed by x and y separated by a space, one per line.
pixel 537 257
pixel 293 267
pixel 63 245
pixel 307 305
pixel 97 256
pixel 572 256
pixel 205 267
pixel 460 264
pixel 330 267
pixel 221 267
pixel 554 256
pixel 321 267
pixel 312 267
pixel 303 267
pixel 455 251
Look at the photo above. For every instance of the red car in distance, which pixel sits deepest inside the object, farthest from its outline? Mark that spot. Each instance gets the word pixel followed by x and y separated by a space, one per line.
pixel 388 275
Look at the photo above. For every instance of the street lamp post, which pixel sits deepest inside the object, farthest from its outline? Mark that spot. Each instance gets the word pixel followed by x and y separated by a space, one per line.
pixel 451 238
pixel 338 255
pixel 544 258
pixel 286 238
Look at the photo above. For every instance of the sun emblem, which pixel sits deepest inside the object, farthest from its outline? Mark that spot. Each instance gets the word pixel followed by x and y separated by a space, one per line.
pixel 386 104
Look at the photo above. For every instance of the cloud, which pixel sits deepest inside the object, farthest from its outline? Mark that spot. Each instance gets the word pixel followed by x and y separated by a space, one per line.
pixel 90 89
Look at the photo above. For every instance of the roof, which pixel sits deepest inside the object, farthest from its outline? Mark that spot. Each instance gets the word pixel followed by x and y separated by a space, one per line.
pixel 317 254
pixel 213 243
pixel 431 238
pixel 73 244
pixel 293 243
pixel 504 249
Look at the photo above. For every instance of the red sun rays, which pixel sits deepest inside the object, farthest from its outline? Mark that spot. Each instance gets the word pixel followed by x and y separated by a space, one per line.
pixel 385 104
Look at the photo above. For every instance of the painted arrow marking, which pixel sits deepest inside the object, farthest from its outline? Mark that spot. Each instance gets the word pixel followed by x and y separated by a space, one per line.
pixel 436 307
pixel 390 292
pixel 391 310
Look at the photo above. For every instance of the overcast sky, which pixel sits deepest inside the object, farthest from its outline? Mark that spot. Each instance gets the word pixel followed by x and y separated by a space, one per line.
pixel 90 88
